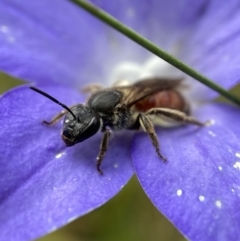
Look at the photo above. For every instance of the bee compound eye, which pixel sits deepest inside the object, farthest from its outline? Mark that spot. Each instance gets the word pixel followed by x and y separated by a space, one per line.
pixel 90 129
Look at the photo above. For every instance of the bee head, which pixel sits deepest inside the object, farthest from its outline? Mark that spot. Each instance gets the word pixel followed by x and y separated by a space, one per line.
pixel 80 123
pixel 78 127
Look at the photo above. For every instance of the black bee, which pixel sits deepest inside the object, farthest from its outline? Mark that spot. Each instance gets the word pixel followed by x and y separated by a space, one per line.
pixel 153 101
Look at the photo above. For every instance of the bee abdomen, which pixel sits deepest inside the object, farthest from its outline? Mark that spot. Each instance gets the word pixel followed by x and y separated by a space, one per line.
pixel 166 99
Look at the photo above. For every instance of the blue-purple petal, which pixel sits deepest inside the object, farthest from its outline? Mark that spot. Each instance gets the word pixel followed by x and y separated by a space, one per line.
pixel 212 44
pixel 48 45
pixel 160 21
pixel 45 185
pixel 198 188
pixel 50 41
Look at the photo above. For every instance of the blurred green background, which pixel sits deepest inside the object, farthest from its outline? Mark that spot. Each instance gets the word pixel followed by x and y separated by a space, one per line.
pixel 128 216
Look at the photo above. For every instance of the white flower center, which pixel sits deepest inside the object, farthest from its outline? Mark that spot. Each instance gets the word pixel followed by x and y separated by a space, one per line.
pixel 154 66
pixel 128 72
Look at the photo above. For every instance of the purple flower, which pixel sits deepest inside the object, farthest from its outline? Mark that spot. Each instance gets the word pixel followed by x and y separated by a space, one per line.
pixel 60 48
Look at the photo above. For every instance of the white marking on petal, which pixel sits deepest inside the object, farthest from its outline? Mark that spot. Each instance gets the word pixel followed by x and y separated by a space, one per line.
pixel 220 168
pixel 211 133
pixel 218 204
pixel 237 165
pixel 201 198
pixel 179 192
pixel 59 155
pixel 237 154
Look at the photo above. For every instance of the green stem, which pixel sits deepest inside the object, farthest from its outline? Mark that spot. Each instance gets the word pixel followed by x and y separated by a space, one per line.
pixel 108 19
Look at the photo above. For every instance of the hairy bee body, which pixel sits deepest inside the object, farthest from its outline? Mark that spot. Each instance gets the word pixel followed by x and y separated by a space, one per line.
pixel 107 104
pixel 141 105
pixel 170 99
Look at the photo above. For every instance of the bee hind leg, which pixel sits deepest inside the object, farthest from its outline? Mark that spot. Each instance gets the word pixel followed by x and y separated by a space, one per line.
pixel 176 115
pixel 148 127
pixel 103 148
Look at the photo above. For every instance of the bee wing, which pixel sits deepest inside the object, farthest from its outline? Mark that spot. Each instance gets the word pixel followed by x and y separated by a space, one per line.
pixel 138 91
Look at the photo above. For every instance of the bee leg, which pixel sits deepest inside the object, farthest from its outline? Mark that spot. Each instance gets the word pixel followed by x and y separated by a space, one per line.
pixel 56 118
pixel 103 148
pixel 91 88
pixel 148 127
pixel 175 115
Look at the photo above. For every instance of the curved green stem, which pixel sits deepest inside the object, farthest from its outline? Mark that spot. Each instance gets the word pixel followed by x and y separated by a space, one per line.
pixel 108 19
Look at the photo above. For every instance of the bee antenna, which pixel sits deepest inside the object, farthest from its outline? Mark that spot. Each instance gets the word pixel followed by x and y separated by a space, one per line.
pixel 53 99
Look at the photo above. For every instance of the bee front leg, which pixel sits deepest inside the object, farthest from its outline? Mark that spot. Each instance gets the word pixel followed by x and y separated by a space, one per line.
pixel 148 127
pixel 175 115
pixel 56 118
pixel 103 148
